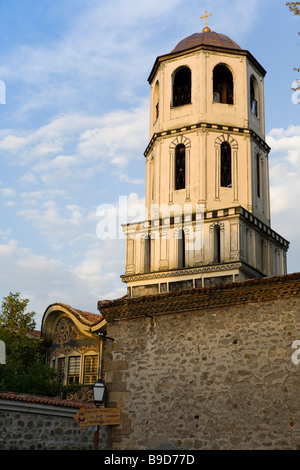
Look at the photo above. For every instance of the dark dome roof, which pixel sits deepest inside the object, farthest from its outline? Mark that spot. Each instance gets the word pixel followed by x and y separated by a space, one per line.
pixel 206 39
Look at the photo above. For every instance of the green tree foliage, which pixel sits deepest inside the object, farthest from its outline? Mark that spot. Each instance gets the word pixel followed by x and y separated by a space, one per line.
pixel 16 330
pixel 295 8
pixel 25 369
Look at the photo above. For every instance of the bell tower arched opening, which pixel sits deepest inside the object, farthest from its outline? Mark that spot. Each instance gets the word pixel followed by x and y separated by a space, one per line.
pixel 222 85
pixel 182 86
pixel 156 101
pixel 254 98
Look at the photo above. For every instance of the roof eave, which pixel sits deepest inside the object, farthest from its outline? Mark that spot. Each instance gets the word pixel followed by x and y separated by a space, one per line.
pixel 171 55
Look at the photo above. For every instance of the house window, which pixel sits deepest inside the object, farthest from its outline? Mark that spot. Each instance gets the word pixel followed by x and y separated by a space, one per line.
pixel 254 96
pixel 182 86
pixel 222 85
pixel 226 178
pixel 60 367
pixel 90 370
pixel 74 370
pixel 180 166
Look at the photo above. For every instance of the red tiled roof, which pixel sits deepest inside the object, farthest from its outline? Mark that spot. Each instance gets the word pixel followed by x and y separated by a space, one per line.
pixel 26 398
pixel 192 300
pixel 85 317
pixel 34 334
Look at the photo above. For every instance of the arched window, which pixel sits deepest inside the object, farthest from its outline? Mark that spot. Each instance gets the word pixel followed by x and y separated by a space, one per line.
pixel 223 85
pixel 182 85
pixel 180 166
pixel 254 96
pixel 226 173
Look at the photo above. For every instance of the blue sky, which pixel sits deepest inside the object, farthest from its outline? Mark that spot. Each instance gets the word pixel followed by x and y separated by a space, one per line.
pixel 74 128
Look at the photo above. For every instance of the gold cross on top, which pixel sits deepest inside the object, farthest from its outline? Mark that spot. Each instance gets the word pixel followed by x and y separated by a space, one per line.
pixel 206 29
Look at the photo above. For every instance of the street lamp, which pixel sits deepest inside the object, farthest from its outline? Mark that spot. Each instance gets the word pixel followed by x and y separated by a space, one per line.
pixel 98 390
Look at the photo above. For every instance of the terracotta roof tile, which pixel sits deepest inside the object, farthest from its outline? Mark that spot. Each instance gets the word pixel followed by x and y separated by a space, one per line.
pixel 35 334
pixel 192 300
pixel 85 317
pixel 26 398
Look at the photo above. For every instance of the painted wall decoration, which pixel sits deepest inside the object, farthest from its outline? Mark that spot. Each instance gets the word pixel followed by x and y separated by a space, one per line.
pixel 68 338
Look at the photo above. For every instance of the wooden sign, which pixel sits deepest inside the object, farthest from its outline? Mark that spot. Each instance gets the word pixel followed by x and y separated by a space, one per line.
pixel 98 417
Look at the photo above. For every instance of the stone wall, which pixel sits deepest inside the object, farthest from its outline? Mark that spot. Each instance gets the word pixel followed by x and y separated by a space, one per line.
pixel 208 369
pixel 35 423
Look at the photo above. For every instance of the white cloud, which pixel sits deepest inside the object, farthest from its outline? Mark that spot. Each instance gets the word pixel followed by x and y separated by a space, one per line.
pixel 107 49
pixel 56 224
pixel 45 280
pixel 94 50
pixel 287 142
pixel 8 192
pixel 75 146
pixel 285 168
pixel 32 197
pixel 285 188
pixel 12 143
pixel 117 135
pixel 58 163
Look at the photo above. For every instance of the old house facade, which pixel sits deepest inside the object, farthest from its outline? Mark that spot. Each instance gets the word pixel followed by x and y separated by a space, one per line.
pixel 73 339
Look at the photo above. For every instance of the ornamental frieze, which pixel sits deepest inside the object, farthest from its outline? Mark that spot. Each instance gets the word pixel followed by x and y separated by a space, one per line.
pixel 65 331
pixel 68 339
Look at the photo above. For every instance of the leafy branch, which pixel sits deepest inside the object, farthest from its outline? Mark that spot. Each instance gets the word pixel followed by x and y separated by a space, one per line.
pixel 295 8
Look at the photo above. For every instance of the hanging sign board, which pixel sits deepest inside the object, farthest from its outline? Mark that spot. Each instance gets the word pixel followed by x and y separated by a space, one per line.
pixel 2 353
pixel 98 417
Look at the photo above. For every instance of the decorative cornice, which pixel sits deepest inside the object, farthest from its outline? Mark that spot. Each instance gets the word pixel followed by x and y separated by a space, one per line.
pixel 213 127
pixel 187 272
pixel 247 216
pixel 86 322
pixel 244 53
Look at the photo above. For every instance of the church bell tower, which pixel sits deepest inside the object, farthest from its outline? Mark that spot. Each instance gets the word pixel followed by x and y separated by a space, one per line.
pixel 207 173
